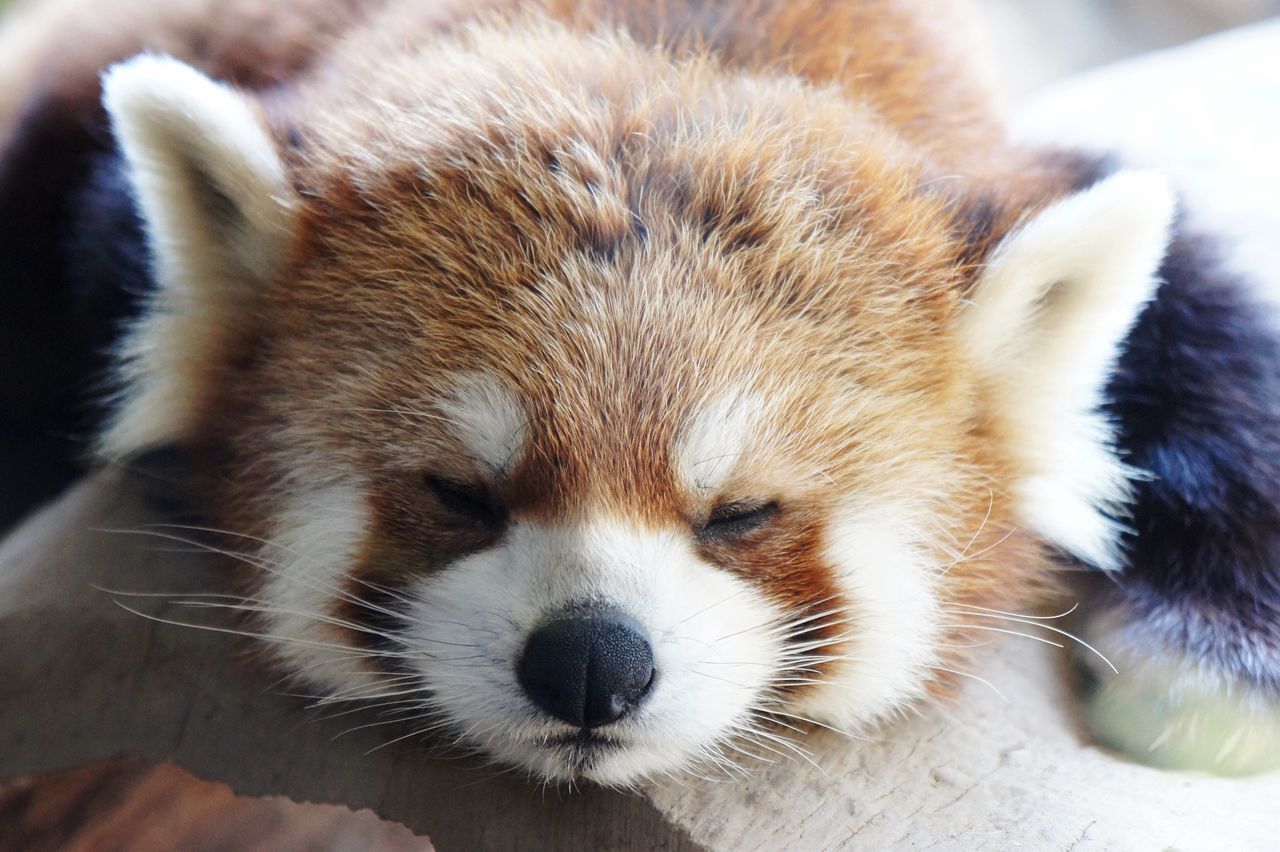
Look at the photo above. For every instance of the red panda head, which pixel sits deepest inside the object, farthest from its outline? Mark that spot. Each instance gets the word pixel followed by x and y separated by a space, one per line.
pixel 609 409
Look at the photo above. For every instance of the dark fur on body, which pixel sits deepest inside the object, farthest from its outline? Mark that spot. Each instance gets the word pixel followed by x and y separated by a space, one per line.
pixel 75 266
pixel 1197 394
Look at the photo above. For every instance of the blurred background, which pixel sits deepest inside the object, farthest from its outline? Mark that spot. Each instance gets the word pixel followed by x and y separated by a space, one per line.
pixel 1038 41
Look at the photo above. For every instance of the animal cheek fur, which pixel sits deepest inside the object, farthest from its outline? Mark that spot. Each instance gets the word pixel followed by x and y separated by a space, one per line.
pixel 790 568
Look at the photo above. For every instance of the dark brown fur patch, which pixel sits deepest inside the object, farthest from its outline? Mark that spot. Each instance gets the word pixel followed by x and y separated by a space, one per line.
pixel 785 559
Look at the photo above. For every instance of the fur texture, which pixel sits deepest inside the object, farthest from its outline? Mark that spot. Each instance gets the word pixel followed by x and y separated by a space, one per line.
pixel 736 317
pixel 1196 613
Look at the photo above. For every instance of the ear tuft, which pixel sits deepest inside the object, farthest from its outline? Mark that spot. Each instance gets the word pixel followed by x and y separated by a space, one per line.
pixel 199 155
pixel 218 212
pixel 1044 329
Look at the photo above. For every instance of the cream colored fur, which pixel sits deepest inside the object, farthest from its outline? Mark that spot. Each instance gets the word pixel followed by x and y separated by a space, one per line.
pixel 716 645
pixel 217 210
pixel 715 440
pixel 895 605
pixel 1045 326
pixel 487 419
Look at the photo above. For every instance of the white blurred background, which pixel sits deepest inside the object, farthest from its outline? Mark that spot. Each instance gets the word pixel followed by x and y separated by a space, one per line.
pixel 1038 41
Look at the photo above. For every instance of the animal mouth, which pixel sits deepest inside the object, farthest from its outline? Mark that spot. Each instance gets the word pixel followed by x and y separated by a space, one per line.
pixel 585 739
pixel 581 750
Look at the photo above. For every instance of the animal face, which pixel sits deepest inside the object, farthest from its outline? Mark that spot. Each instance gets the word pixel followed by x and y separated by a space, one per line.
pixel 664 595
pixel 611 419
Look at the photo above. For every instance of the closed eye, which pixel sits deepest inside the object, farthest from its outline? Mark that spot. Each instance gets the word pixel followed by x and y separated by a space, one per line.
pixel 468 502
pixel 734 520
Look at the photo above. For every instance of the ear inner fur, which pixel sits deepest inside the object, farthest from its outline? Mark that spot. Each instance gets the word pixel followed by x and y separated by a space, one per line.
pixel 1045 327
pixel 217 211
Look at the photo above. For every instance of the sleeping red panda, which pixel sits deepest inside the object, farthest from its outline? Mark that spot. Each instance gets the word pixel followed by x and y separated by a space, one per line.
pixel 612 381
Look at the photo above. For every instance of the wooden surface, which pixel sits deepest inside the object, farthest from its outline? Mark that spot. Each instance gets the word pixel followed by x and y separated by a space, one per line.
pixel 134 805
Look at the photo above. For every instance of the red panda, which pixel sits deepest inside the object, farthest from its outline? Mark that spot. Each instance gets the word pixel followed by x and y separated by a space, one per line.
pixel 608 381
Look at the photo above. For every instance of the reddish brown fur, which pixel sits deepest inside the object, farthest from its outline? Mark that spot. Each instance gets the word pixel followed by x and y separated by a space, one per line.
pixel 677 220
pixel 787 195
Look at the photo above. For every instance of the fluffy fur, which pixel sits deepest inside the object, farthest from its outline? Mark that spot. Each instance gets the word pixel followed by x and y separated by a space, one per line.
pixel 1196 611
pixel 200 164
pixel 474 312
pixel 1048 315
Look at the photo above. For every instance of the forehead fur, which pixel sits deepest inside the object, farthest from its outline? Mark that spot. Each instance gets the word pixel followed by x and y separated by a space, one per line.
pixel 486 418
pixel 526 154
pixel 716 438
pixel 620 237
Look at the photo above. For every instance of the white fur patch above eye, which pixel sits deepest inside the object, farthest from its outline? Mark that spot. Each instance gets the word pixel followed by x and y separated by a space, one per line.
pixel 1045 327
pixel 714 440
pixel 488 420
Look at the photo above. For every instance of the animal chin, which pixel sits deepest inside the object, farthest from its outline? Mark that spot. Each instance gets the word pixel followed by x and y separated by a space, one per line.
pixel 585 756
pixel 583 751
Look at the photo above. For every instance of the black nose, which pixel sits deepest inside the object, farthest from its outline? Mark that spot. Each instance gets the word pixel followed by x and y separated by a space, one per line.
pixel 588 668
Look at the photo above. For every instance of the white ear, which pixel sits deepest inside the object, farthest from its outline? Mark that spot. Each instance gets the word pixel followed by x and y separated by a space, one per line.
pixel 218 213
pixel 1045 325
